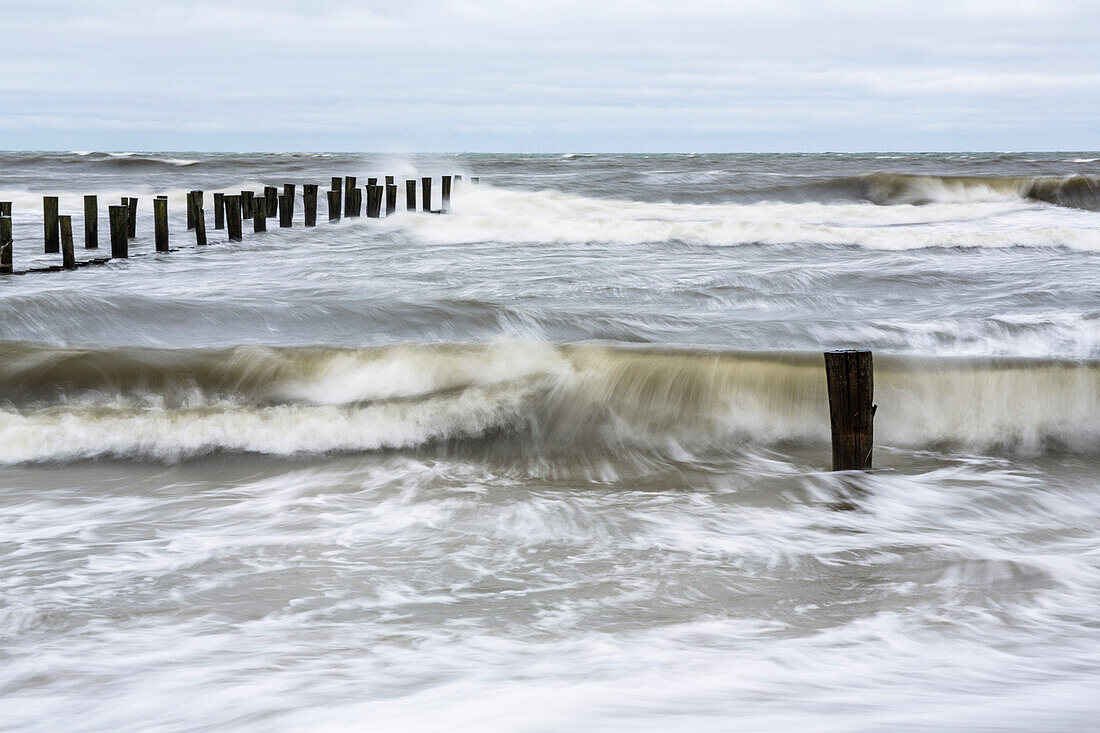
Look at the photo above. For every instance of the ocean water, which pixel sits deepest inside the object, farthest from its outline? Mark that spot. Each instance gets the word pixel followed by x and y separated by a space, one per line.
pixel 557 460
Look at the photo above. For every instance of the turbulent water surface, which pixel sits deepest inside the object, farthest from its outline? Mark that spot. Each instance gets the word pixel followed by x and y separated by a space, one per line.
pixel 556 461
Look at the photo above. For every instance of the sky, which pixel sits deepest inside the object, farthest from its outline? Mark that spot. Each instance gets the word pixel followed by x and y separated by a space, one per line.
pixel 550 76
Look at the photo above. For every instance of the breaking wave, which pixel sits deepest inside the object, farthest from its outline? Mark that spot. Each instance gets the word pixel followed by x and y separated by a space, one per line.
pixel 1079 191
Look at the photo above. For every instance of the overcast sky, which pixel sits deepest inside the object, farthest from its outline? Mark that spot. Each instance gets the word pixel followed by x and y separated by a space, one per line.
pixel 546 76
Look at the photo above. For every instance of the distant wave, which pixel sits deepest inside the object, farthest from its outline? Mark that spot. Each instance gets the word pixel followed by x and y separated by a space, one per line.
pixel 1078 191
pixel 71 404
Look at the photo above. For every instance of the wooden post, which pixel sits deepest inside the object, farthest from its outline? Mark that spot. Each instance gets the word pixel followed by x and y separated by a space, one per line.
pixel 285 212
pixel 246 204
pixel 410 195
pixel 337 186
pixel 5 208
pixel 446 194
pixel 353 202
pixel 190 210
pixel 288 191
pixel 160 222
pixel 390 181
pixel 309 203
pixel 349 196
pixel 91 222
pixel 850 377
pixel 425 194
pixel 49 221
pixel 374 200
pixel 219 211
pixel 259 215
pixel 271 196
pixel 68 257
pixel 200 227
pixel 475 180
pixel 131 218
pixel 118 216
pixel 233 217
pixel 391 198
pixel 5 244
pixel 458 178
pixel 334 206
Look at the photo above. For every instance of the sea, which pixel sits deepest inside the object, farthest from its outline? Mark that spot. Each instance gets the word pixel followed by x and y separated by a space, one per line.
pixel 557 459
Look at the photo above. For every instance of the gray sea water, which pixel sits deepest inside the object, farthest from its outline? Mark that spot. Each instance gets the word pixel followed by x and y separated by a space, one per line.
pixel 557 460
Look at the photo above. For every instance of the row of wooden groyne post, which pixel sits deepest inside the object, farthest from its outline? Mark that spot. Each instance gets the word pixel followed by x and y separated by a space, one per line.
pixel 345 199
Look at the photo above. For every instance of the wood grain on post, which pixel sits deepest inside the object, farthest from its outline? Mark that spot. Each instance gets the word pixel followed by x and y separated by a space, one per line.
pixel 246 204
pixel 160 223
pixel 91 222
pixel 334 206
pixel 425 194
pixel 446 194
pixel 259 215
pixel 850 377
pixel 118 217
pixel 200 227
pixel 288 191
pixel 219 211
pixel 131 218
pixel 285 212
pixel 271 197
pixel 190 210
pixel 5 245
pixel 374 201
pixel 391 198
pixel 50 224
pixel 410 195
pixel 349 196
pixel 5 208
pixel 68 257
pixel 338 187
pixel 309 203
pixel 233 218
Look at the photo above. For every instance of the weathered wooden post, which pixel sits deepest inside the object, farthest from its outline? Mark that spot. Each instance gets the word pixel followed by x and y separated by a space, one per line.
pixel 118 217
pixel 337 186
pixel 285 212
pixel 5 208
pixel 49 221
pixel 426 194
pixel 68 257
pixel 410 195
pixel 391 197
pixel 246 204
pixel 446 194
pixel 271 197
pixel 219 211
pixel 288 191
pixel 91 222
pixel 160 222
pixel 334 206
pixel 233 218
pixel 475 180
pixel 5 243
pixel 390 181
pixel 374 201
pixel 131 218
pixel 372 181
pixel 190 210
pixel 850 377
pixel 349 196
pixel 200 227
pixel 309 203
pixel 353 202
pixel 259 215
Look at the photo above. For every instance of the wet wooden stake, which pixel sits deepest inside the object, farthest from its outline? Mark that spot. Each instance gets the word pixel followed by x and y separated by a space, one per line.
pixel 374 201
pixel 190 210
pixel 131 218
pixel 425 194
pixel 50 224
pixel 91 222
pixel 309 203
pixel 5 208
pixel 246 204
pixel 446 194
pixel 390 181
pixel 410 195
pixel 233 218
pixel 475 180
pixel 391 198
pixel 288 191
pixel 68 257
pixel 160 223
pixel 259 215
pixel 334 206
pixel 200 227
pixel 285 212
pixel 850 377
pixel 349 196
pixel 271 197
pixel 337 186
pixel 118 217
pixel 219 211
pixel 5 245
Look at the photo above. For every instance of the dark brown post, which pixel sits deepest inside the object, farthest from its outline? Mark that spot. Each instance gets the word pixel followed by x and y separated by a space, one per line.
pixel 5 208
pixel 475 180
pixel 285 212
pixel 446 194
pixel 309 203
pixel 349 196
pixel 372 181
pixel 850 377
pixel 288 191
pixel 374 201
pixel 5 244
pixel 390 181
pixel 68 257
pixel 160 222
pixel 200 227
pixel 271 196
pixel 49 219
pixel 246 204
pixel 190 210
pixel 410 195
pixel 259 215
pixel 334 206
pixel 118 216
pixel 391 197
pixel 219 211
pixel 233 217
pixel 91 222
pixel 337 186
pixel 131 218
pixel 353 202
pixel 425 194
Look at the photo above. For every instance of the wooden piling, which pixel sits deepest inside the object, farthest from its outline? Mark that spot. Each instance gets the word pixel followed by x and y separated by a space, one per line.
pixel 374 201
pixel 68 257
pixel 288 191
pixel 5 243
pixel 246 204
pixel 5 208
pixel 337 186
pixel 353 202
pixel 118 217
pixel 259 215
pixel 425 194
pixel 850 377
pixel 50 224
pixel 390 181
pixel 91 222
pixel 446 194
pixel 233 218
pixel 200 227
pixel 131 218
pixel 334 206
pixel 160 223
pixel 219 211
pixel 410 195
pixel 391 197
pixel 190 210
pixel 285 212
pixel 271 197
pixel 475 180
pixel 349 196
pixel 309 203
